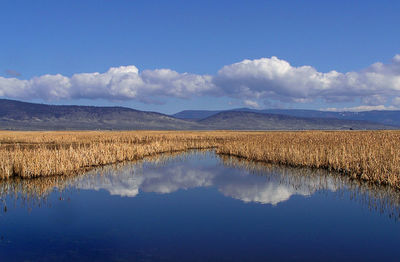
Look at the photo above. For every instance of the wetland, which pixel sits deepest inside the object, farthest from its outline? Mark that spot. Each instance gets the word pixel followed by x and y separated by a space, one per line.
pixel 198 206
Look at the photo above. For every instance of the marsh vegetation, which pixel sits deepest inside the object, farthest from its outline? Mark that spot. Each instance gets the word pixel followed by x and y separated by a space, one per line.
pixel 371 156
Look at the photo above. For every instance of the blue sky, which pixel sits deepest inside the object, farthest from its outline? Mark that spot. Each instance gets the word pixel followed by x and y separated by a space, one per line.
pixel 47 45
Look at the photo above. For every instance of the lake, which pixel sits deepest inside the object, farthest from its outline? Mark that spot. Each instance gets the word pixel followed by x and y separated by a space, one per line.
pixel 198 206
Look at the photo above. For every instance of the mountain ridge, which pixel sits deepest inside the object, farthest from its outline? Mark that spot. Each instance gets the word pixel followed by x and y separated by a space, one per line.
pixel 386 117
pixel 242 120
pixel 18 115
pixel 22 115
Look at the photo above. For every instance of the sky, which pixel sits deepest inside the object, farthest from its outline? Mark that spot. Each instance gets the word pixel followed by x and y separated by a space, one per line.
pixel 169 56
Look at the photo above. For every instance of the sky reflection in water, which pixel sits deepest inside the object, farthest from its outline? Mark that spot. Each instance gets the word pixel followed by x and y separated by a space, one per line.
pixel 198 206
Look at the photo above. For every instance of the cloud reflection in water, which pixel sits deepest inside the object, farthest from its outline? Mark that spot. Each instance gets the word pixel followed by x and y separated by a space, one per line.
pixel 171 176
pixel 237 178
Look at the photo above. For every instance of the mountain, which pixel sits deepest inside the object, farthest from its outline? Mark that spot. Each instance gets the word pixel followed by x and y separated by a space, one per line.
pixel 30 116
pixel 16 115
pixel 241 120
pixel 385 117
pixel 196 114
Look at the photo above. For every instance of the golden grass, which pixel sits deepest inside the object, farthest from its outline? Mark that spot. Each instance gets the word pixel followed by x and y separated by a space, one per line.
pixel 367 155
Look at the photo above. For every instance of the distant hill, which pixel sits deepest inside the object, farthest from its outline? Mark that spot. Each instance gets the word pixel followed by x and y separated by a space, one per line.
pixel 240 120
pixel 385 117
pixel 30 116
pixel 196 114
pixel 16 115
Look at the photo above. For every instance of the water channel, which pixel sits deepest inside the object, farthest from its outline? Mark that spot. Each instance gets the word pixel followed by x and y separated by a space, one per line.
pixel 198 206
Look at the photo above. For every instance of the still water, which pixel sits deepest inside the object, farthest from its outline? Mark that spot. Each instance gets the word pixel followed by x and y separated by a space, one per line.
pixel 198 207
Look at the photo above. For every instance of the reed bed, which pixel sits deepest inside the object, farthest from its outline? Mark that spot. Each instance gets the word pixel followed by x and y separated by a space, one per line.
pixel 366 155
pixel 34 154
pixel 372 156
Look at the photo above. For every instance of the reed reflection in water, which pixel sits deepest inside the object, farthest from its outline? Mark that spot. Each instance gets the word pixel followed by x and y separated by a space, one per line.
pixel 233 177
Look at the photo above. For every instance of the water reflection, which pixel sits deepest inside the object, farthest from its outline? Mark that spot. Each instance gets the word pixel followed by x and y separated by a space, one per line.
pixel 376 197
pixel 233 177
pixel 191 171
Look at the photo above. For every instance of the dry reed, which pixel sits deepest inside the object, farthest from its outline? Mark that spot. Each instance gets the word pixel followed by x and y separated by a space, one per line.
pixel 372 156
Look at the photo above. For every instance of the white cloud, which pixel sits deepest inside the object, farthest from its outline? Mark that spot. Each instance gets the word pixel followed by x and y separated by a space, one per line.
pixel 360 108
pixel 252 81
pixel 123 82
pixel 171 83
pixel 251 103
pixel 12 87
pixel 50 87
pixel 273 78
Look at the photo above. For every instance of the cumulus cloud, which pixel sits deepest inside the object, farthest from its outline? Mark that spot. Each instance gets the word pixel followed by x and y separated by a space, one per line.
pixel 252 81
pixel 273 78
pixel 121 83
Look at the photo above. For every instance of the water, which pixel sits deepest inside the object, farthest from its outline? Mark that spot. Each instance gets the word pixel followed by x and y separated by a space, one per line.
pixel 198 207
